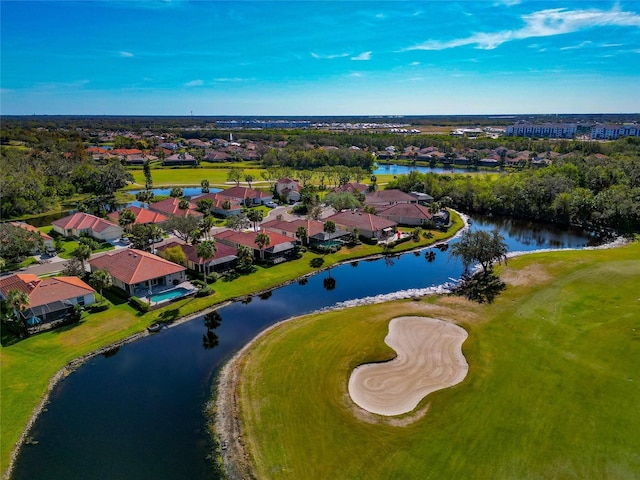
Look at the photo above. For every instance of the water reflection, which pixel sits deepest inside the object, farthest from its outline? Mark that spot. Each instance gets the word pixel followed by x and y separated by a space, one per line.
pixel 212 320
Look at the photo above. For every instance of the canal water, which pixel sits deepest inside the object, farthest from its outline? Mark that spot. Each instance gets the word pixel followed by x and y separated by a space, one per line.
pixel 137 412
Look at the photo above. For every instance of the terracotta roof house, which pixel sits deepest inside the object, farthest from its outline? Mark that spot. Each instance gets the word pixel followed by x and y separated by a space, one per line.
pixel 352 187
pixel 315 230
pixel 218 202
pixel 280 245
pixel 224 259
pixel 196 142
pixel 218 156
pixel 81 223
pixel 288 190
pixel 381 199
pixel 47 241
pixel 369 225
pixel 178 159
pixel 126 151
pixel 171 206
pixel 135 271
pixel 407 214
pixel 143 215
pixel 247 195
pixel 51 298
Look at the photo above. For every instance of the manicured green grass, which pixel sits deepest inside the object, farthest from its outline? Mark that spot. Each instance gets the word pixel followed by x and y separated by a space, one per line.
pixel 27 366
pixel 193 176
pixel 553 388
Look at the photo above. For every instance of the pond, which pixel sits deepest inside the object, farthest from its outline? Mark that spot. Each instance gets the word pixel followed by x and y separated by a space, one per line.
pixel 137 412
pixel 394 169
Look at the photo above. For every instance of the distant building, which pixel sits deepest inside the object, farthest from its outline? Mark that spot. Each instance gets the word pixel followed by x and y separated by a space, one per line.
pixel 613 132
pixel 545 130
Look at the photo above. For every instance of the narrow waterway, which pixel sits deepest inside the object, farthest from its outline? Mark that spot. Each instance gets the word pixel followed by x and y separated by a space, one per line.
pixel 137 412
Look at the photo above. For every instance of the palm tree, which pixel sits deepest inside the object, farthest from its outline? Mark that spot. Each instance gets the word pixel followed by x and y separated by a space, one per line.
pixel 301 234
pixel 176 192
pixel 19 300
pixel 262 240
pixel 206 224
pixel 329 226
pixel 245 257
pixel 126 219
pixel 248 179
pixel 205 186
pixel 255 215
pixel 100 279
pixel 183 204
pixel 207 250
pixel 82 253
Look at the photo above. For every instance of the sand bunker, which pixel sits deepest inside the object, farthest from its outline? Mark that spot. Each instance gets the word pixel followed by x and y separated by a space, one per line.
pixel 429 358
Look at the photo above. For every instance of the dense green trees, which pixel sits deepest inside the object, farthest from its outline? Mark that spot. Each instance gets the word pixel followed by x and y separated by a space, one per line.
pixel 17 243
pixel 592 191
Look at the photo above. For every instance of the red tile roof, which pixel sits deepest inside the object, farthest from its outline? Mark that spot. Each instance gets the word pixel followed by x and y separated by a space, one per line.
pixel 171 206
pixel 31 228
pixel 46 290
pixel 143 215
pixel 84 221
pixel 243 193
pixel 312 226
pixel 388 196
pixel 134 266
pixel 248 238
pixel 361 220
pixel 407 210
pixel 191 251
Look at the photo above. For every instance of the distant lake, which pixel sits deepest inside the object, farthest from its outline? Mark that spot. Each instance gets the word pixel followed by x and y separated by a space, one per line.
pixel 395 169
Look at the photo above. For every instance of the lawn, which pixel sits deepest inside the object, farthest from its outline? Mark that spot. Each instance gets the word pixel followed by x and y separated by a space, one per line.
pixel 27 366
pixel 168 177
pixel 552 389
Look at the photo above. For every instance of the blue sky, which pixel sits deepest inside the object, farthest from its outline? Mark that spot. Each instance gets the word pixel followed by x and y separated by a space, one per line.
pixel 319 58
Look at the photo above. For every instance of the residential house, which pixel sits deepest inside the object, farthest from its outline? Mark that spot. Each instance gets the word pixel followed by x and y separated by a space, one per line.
pixel 171 206
pixel 352 187
pixel 288 190
pixel 218 204
pixel 180 159
pixel 247 196
pixel 381 199
pixel 50 299
pixel 218 156
pixel 224 259
pixel 407 214
pixel 280 246
pixel 47 241
pixel 80 223
pixel 136 272
pixel 315 230
pixel 143 216
pixel 421 197
pixel 369 226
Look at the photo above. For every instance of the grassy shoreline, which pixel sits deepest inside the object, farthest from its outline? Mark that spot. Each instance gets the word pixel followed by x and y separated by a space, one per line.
pixel 28 366
pixel 548 361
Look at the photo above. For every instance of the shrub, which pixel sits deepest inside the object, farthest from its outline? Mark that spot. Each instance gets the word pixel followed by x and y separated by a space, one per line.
pixel 139 305
pixel 204 292
pixel 97 307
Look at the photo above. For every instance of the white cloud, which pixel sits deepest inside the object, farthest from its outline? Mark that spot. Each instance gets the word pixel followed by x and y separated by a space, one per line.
pixel 578 46
pixel 414 64
pixel 126 54
pixel 544 23
pixel 194 83
pixel 329 57
pixel 231 79
pixel 363 56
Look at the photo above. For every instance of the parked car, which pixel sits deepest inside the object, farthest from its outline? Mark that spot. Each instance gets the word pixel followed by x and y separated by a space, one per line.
pixel 271 204
pixel 125 241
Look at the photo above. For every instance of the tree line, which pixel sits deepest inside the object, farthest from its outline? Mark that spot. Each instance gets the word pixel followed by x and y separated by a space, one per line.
pixel 591 192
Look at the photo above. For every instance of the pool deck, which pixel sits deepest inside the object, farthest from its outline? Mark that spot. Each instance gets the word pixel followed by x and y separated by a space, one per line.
pixel 143 293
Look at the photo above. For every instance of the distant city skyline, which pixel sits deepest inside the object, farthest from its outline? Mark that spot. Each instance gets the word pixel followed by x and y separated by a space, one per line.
pixel 179 57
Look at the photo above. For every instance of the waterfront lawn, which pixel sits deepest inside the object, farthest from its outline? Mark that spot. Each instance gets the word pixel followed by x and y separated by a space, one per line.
pixel 27 366
pixel 552 389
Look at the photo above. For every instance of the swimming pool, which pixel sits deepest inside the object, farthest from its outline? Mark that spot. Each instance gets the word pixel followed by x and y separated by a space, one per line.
pixel 170 295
